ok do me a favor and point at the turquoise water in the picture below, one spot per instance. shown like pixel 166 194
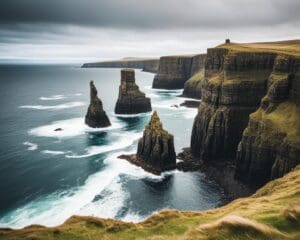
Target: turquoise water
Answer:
pixel 46 176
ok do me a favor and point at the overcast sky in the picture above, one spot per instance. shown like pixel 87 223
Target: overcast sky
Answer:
pixel 92 30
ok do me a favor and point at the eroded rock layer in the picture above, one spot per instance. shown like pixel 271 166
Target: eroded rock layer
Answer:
pixel 233 85
pixel 173 71
pixel 270 145
pixel 156 147
pixel 192 87
pixel 96 116
pixel 131 100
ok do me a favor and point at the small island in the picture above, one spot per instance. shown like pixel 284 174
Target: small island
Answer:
pixel 131 100
pixel 96 116
pixel 156 152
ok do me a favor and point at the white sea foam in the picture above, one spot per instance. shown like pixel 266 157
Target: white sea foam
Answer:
pixel 70 128
pixel 126 139
pixel 54 107
pixel 55 208
pixel 53 97
pixel 31 146
pixel 133 115
pixel 52 152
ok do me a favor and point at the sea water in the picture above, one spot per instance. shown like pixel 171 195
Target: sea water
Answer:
pixel 46 176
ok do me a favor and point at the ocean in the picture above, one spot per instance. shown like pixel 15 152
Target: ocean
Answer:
pixel 46 176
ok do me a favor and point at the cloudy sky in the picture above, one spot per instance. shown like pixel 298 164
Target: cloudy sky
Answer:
pixel 90 30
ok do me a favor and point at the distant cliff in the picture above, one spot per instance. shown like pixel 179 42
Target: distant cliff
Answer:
pixel 192 87
pixel 238 80
pixel 146 64
pixel 174 71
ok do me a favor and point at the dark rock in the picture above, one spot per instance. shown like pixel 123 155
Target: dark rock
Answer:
pixel 190 104
pixel 131 100
pixel 270 145
pixel 192 87
pixel 227 41
pixel 232 88
pixel 173 71
pixel 96 116
pixel 156 152
pixel 58 129
pixel 175 106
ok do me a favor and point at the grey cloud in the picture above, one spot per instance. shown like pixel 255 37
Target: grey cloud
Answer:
pixel 157 14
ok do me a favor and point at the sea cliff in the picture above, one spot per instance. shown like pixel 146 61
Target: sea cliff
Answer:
pixel 146 64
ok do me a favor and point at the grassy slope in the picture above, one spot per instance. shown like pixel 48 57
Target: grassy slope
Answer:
pixel 291 47
pixel 273 212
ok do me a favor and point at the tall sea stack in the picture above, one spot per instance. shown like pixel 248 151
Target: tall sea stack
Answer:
pixel 96 116
pixel 156 147
pixel 156 152
pixel 131 100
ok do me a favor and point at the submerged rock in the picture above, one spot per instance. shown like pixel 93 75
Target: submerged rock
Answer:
pixel 156 152
pixel 58 129
pixel 131 100
pixel 96 116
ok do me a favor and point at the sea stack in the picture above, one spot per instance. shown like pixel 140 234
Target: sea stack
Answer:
pixel 156 152
pixel 96 116
pixel 131 100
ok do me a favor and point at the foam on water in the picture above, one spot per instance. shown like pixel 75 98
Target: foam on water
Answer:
pixel 53 97
pixel 70 128
pixel 55 208
pixel 125 140
pixel 133 115
pixel 54 107
pixel 51 152
pixel 31 146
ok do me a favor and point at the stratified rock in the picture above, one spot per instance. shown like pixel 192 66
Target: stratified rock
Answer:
pixel 233 86
pixel 96 116
pixel 270 146
pixel 156 147
pixel 192 87
pixel 156 152
pixel 131 100
pixel 173 71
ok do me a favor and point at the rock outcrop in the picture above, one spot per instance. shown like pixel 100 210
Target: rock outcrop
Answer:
pixel 156 152
pixel 146 64
pixel 192 87
pixel 270 145
pixel 96 116
pixel 131 100
pixel 173 71
pixel 233 86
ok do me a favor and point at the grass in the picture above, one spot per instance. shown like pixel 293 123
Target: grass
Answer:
pixel 291 47
pixel 285 118
pixel 271 213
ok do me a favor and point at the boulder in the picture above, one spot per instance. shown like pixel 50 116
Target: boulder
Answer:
pixel 131 100
pixel 96 116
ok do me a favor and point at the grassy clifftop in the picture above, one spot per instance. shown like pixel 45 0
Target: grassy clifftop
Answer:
pixel 290 47
pixel 273 212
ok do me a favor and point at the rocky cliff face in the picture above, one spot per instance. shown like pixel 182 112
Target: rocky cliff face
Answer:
pixel 173 71
pixel 270 145
pixel 131 100
pixel 96 116
pixel 234 83
pixel 192 87
pixel 156 147
pixel 147 65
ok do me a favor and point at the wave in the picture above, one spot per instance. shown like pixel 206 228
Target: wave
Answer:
pixel 53 152
pixel 53 97
pixel 126 139
pixel 70 128
pixel 133 115
pixel 54 209
pixel 31 146
pixel 54 107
